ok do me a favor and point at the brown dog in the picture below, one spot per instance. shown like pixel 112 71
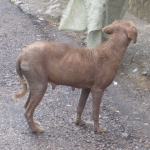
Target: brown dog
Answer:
pixel 62 64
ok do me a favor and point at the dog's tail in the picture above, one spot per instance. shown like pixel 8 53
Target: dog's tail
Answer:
pixel 22 81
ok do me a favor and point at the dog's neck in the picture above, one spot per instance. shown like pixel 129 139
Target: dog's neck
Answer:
pixel 117 43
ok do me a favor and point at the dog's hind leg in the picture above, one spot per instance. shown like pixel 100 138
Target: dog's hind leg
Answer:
pixel 28 100
pixel 81 105
pixel 33 101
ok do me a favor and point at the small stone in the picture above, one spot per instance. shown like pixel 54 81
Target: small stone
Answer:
pixel 68 105
pixel 115 83
pixel 88 141
pixel 144 73
pixel 41 19
pixel 117 111
pixel 18 2
pixel 146 124
pixel 135 70
pixel 125 135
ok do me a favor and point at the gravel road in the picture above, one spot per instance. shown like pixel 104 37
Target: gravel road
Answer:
pixel 124 111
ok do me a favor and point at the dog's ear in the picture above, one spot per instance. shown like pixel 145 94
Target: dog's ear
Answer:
pixel 108 29
pixel 132 34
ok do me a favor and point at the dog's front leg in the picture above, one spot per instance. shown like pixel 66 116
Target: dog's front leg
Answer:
pixel 81 105
pixel 96 101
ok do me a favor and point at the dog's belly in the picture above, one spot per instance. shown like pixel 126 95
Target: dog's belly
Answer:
pixel 73 85
pixel 54 86
pixel 73 81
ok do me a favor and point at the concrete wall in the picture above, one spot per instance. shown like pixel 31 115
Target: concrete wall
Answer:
pixel 140 8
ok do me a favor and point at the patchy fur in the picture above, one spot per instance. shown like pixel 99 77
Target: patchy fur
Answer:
pixel 62 64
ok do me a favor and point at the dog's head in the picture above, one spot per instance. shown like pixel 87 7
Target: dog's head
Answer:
pixel 122 25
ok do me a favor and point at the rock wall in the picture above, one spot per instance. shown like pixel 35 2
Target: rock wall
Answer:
pixel 54 8
pixel 140 8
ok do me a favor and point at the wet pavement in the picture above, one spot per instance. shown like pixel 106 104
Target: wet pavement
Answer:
pixel 124 111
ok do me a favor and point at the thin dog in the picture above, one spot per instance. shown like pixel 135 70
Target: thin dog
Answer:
pixel 92 70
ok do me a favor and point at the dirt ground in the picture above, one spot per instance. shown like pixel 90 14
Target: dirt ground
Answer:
pixel 124 111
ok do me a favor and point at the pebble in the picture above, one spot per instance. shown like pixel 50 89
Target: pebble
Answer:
pixel 135 70
pixel 115 83
pixel 125 135
pixel 68 105
pixel 144 73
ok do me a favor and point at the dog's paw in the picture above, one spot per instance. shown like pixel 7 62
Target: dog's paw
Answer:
pixel 36 128
pixel 100 129
pixel 80 122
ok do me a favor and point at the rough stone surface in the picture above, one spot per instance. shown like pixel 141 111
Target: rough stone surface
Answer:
pixel 51 8
pixel 54 8
pixel 140 8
